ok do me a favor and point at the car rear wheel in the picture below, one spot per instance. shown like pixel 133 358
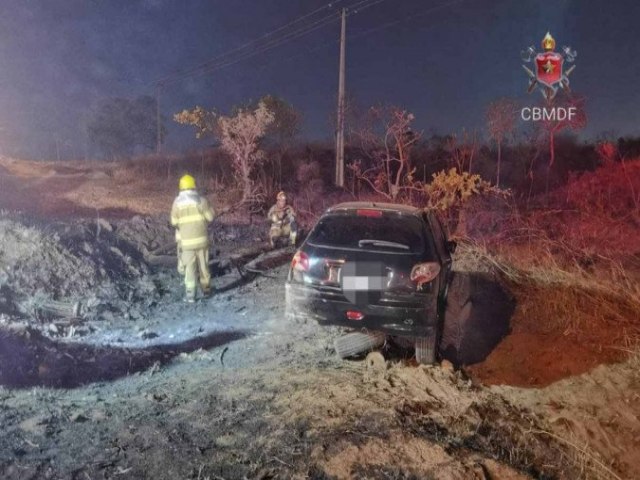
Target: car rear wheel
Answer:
pixel 357 342
pixel 426 350
pixel 456 317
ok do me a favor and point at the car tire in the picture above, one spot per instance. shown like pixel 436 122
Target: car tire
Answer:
pixel 357 342
pixel 426 350
pixel 477 318
pixel 456 316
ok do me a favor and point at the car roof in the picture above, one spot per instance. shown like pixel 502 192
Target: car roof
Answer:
pixel 392 207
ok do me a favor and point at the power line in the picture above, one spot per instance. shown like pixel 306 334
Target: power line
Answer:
pixel 255 40
pixel 352 9
pixel 209 66
pixel 220 62
pixel 269 45
pixel 410 17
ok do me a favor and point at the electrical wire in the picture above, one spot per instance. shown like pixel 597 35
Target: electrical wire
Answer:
pixel 410 17
pixel 271 44
pixel 220 62
pixel 255 40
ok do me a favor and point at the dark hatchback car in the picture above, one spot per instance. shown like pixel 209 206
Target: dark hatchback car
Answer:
pixel 375 266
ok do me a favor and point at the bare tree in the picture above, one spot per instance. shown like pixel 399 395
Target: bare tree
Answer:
pixel 501 120
pixel 240 137
pixel 462 150
pixel 550 128
pixel 386 140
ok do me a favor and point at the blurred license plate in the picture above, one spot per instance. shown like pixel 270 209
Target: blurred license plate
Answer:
pixel 363 282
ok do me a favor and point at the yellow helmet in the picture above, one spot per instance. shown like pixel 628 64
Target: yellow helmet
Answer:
pixel 187 182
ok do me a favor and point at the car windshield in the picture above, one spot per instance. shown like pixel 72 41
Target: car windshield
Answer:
pixel 386 233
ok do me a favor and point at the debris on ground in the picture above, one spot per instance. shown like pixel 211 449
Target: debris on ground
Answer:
pixel 105 373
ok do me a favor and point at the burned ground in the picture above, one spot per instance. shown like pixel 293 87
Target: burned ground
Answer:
pixel 145 386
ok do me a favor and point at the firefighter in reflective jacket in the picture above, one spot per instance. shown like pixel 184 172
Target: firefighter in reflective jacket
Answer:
pixel 283 221
pixel 190 215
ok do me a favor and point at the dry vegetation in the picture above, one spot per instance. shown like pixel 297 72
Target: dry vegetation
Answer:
pixel 581 254
pixel 572 262
pixel 575 271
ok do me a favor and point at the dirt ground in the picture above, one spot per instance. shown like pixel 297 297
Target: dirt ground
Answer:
pixel 145 386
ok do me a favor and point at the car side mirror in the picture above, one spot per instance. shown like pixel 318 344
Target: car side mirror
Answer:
pixel 451 246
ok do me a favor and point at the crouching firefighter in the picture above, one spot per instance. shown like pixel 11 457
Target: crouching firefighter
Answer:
pixel 283 221
pixel 190 215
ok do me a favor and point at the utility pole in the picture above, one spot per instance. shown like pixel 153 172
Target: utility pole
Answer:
pixel 158 133
pixel 340 130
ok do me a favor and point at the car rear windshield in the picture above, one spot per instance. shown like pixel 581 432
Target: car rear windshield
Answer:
pixel 386 233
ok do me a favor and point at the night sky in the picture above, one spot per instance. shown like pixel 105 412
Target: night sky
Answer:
pixel 442 60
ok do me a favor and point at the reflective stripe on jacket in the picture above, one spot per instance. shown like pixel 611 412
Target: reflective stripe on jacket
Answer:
pixel 190 214
pixel 280 217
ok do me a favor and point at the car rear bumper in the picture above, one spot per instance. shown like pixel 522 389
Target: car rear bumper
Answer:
pixel 402 316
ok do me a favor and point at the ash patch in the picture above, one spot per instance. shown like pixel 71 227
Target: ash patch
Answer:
pixel 28 359
pixel 99 264
pixel 81 261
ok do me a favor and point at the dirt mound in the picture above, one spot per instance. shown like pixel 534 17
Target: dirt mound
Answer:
pixel 104 265
pixel 560 330
pixel 420 422
pixel 150 233
pixel 562 323
pixel 76 262
pixel 597 414
pixel 147 234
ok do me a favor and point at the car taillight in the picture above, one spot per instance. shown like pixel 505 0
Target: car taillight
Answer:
pixel 300 262
pixel 369 213
pixel 354 315
pixel 424 272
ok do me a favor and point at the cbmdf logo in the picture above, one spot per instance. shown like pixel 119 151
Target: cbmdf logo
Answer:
pixel 548 72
